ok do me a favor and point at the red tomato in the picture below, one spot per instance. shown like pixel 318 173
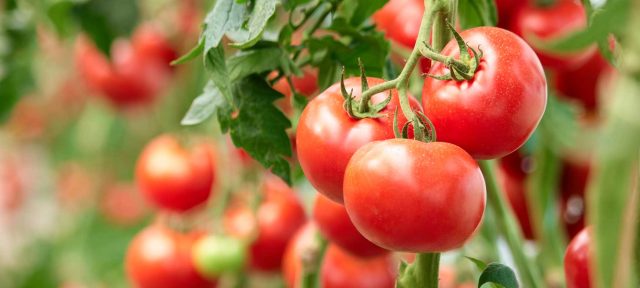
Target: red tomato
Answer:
pixel 173 178
pixel 278 217
pixel 307 85
pixel 552 23
pixel 12 190
pixel 573 185
pixel 506 10
pixel 494 113
pixel 325 129
pixel 513 181
pixel 576 260
pixel 400 21
pixel 334 223
pixel 161 258
pixel 149 43
pixel 339 268
pixel 407 195
pixel 123 205
pixel 581 83
pixel 128 80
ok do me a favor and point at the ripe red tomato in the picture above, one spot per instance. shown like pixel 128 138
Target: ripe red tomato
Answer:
pixel 278 218
pixel 161 258
pixel 400 21
pixel 123 205
pixel 127 80
pixel 506 9
pixel 581 83
pixel 407 195
pixel 307 85
pixel 577 259
pixel 150 44
pixel 512 178
pixel 573 184
pixel 326 129
pixel 334 223
pixel 339 268
pixel 494 113
pixel 552 23
pixel 173 178
pixel 12 190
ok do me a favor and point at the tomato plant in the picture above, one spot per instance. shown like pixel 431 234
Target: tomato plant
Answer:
pixel 398 179
pixel 173 178
pixel 495 112
pixel 513 180
pixel 277 218
pixel 325 128
pixel 160 257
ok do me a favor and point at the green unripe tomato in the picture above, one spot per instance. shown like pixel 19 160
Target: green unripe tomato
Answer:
pixel 215 255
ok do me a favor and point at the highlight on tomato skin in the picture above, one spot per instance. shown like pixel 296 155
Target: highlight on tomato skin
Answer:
pixel 577 260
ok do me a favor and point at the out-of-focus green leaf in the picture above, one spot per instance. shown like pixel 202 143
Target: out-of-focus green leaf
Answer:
pixel 474 13
pixel 259 127
pixel 262 11
pixel 356 12
pixel 498 274
pixel 477 262
pixel 192 54
pixel 106 20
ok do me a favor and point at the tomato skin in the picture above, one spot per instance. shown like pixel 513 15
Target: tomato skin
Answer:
pixel 325 128
pixel 339 268
pixel 307 85
pixel 152 45
pixel 494 113
pixel 123 205
pixel 173 178
pixel 506 10
pixel 577 259
pixel 513 181
pixel 552 23
pixel 278 218
pixel 161 258
pixel 334 223
pixel 399 194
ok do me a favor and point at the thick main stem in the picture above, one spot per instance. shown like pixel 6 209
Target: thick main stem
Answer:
pixel 428 264
pixel 505 219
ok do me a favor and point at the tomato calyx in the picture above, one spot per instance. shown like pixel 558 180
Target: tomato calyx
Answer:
pixel 459 69
pixel 361 109
pixel 425 132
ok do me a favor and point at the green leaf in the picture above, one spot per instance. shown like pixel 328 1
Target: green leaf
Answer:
pixel 479 263
pixel 226 15
pixel 216 65
pixel 261 13
pixel 491 285
pixel 192 54
pixel 292 4
pixel 559 124
pixel 474 13
pixel 498 274
pixel 255 61
pixel 611 18
pixel 259 127
pixel 106 20
pixel 356 12
pixel 204 105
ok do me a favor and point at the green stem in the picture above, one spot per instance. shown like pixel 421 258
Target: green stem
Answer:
pixel 428 264
pixel 529 274
pixel 441 34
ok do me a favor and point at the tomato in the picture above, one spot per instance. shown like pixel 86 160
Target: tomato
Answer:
pixel 400 21
pixel 407 195
pixel 173 178
pixel 149 43
pixel 339 269
pixel 12 190
pixel 495 112
pixel 122 204
pixel 278 217
pixel 581 83
pixel 161 258
pixel 513 179
pixel 577 259
pixel 306 85
pixel 325 129
pixel 551 23
pixel 506 9
pixel 334 223
pixel 127 80
pixel 215 255
pixel 573 184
